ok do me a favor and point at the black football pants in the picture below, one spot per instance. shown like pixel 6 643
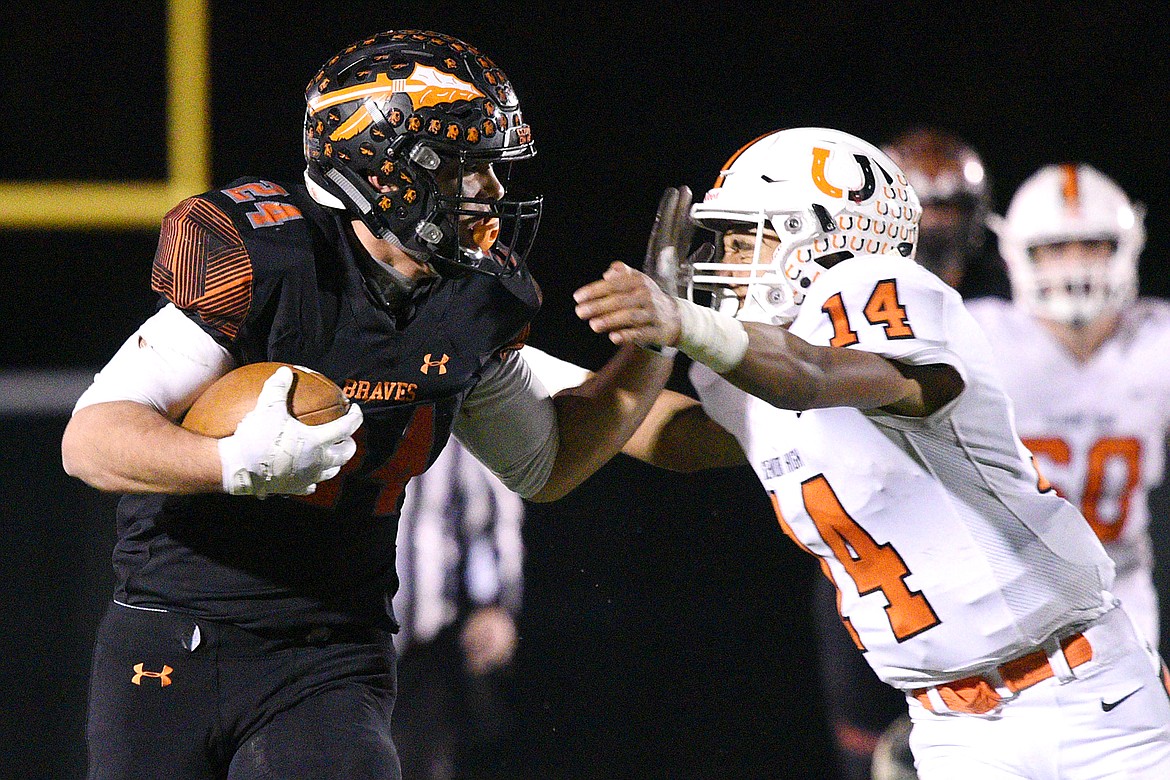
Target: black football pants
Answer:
pixel 177 698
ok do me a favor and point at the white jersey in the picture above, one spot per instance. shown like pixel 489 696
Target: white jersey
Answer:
pixel 1097 428
pixel 947 552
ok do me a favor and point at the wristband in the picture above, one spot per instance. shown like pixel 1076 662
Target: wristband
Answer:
pixel 711 337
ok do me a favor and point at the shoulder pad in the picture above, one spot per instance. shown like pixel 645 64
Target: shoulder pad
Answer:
pixel 202 266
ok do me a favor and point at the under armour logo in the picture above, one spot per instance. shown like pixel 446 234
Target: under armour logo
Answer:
pixel 441 363
pixel 163 676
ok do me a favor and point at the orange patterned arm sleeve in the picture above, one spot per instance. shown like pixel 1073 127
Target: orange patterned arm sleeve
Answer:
pixel 202 265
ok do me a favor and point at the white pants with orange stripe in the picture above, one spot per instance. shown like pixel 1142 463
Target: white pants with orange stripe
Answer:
pixel 1108 718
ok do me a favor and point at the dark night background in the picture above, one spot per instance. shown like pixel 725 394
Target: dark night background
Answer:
pixel 665 631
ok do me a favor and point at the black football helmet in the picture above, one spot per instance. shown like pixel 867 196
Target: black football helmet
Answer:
pixel 399 105
pixel 945 172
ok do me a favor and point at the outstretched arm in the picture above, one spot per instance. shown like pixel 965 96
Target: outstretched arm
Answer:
pixel 542 447
pixel 596 419
pixel 788 372
pixel 768 361
pixel 677 434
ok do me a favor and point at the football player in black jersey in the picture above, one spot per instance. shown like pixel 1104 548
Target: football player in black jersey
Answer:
pixel 249 638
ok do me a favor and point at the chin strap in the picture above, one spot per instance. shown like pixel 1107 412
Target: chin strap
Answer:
pixel 389 286
pixel 329 200
pixel 319 194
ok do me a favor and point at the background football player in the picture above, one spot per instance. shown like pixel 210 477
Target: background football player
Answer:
pixel 864 396
pixel 251 638
pixel 954 189
pixel 1086 362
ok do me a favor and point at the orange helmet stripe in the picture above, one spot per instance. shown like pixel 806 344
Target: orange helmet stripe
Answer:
pixel 727 165
pixel 1071 186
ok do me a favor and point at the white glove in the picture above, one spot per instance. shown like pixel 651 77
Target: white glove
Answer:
pixel 272 452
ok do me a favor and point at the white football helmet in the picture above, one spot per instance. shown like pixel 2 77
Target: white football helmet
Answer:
pixel 828 195
pixel 1071 202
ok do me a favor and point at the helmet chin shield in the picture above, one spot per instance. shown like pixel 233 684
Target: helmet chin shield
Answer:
pixel 827 196
pixel 1070 203
pixel 386 114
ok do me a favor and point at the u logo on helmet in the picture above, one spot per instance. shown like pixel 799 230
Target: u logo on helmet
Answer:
pixel 794 269
pixel 820 158
pixel 868 186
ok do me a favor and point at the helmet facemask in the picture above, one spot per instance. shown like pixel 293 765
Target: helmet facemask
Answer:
pixel 759 290
pixel 1077 292
pixel 478 233
pixel 751 291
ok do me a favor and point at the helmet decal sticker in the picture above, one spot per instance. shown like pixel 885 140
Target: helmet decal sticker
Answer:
pixel 869 185
pixel 426 87
pixel 820 158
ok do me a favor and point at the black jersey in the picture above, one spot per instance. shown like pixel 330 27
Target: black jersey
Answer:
pixel 271 275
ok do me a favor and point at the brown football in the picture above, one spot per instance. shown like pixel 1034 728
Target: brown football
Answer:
pixel 315 399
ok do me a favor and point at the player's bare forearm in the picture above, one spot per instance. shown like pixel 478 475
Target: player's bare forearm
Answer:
pixel 128 447
pixel 788 372
pixel 679 436
pixel 596 419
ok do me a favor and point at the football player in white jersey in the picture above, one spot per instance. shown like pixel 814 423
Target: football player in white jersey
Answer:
pixel 1085 362
pixel 867 401
pixel 954 191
